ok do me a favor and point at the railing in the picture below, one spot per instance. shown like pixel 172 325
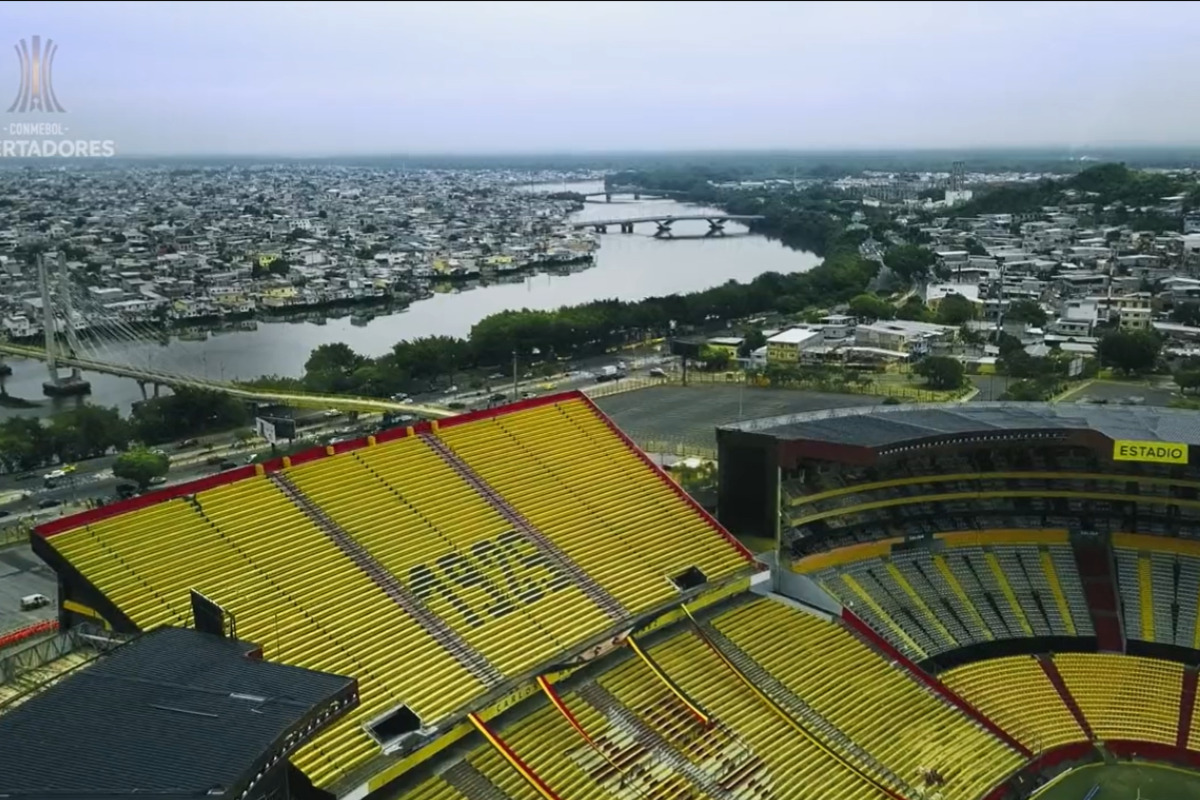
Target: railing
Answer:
pixel 12 535
pixel 15 637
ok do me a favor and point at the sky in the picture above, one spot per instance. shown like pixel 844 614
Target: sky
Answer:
pixel 362 78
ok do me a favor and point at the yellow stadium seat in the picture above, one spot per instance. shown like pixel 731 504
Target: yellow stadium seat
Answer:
pixel 874 703
pixel 565 470
pixel 1016 694
pixel 1125 697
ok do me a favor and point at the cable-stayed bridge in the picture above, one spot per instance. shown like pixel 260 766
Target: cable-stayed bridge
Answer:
pixel 81 334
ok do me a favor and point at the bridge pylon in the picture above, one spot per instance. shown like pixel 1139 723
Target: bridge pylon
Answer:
pixel 73 384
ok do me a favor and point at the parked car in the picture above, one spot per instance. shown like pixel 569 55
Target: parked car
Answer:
pixel 31 601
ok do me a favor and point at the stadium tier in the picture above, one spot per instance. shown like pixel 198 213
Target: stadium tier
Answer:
pixel 642 734
pixel 827 479
pixel 1017 693
pixel 435 565
pixel 972 588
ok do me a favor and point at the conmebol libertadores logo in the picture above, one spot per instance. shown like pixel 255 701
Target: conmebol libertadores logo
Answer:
pixel 36 97
pixel 36 90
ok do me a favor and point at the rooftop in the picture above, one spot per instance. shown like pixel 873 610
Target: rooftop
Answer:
pixel 884 426
pixel 174 713
pixel 794 336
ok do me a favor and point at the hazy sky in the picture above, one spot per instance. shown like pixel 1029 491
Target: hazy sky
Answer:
pixel 374 77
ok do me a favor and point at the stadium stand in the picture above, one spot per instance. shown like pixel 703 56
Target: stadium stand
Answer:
pixel 1125 697
pixel 533 611
pixel 931 601
pixel 438 565
pixel 878 707
pixel 174 713
pixel 1017 694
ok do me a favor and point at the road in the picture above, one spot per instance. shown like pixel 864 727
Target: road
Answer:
pixel 93 478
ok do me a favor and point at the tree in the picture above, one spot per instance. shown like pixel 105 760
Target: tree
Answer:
pixel 909 261
pixel 24 444
pixel 869 306
pixel 141 466
pixel 1186 314
pixel 914 310
pixel 187 412
pixel 752 339
pixel 714 359
pixel 1027 311
pixel 974 248
pixel 954 309
pixel 87 431
pixel 941 372
pixel 1132 352
pixel 1188 379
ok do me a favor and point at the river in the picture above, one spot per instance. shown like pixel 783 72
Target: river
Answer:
pixel 627 267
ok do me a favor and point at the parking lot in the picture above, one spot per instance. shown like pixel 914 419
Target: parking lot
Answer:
pixel 689 415
pixel 22 573
pixel 1113 392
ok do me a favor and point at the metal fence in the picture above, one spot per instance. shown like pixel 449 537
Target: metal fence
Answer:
pixel 17 533
pixel 900 391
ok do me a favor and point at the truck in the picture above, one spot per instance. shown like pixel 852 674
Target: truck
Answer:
pixel 609 374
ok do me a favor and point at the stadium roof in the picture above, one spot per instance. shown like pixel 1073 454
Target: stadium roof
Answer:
pixel 172 714
pixel 884 426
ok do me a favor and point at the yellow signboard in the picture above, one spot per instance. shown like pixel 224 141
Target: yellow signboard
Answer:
pixel 1154 452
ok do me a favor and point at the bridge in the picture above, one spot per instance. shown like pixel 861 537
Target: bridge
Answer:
pixel 80 356
pixel 156 378
pixel 716 222
pixel 638 194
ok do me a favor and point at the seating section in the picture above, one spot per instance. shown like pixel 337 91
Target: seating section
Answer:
pixel 1159 593
pixel 273 550
pixel 565 470
pixel 1125 697
pixel 424 524
pixel 792 765
pixel 291 591
pixel 830 507
pixel 879 707
pixel 928 602
pixel 1015 693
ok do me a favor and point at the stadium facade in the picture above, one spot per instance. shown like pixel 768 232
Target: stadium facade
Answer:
pixel 963 600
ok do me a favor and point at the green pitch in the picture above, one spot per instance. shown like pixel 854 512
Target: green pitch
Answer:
pixel 1124 782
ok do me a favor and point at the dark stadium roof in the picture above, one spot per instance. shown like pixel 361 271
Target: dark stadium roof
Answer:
pixel 174 713
pixel 883 426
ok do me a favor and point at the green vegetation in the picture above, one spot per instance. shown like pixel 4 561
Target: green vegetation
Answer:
pixel 941 372
pixel 91 431
pixel 187 412
pixel 1125 782
pixel 1027 311
pixel 1116 193
pixel 141 466
pixel 871 307
pixel 910 262
pixel 1131 352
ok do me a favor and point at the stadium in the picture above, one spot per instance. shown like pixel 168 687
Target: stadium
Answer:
pixel 981 601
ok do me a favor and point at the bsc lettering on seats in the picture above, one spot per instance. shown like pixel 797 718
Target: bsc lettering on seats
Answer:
pixel 508 570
